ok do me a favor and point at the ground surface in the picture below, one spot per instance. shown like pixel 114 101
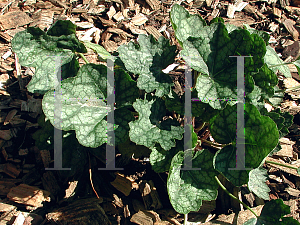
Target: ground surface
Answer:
pixel 32 195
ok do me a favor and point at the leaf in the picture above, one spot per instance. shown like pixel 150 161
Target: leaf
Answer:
pixel 266 80
pixel 199 109
pixel 264 35
pixel 210 53
pixel 125 89
pixel 184 24
pixel 271 59
pixel 131 149
pixel 62 27
pixel 187 188
pixel 257 183
pixel 282 120
pixel 273 213
pixel 160 159
pixel 122 117
pixel 147 59
pixel 83 106
pixel 261 137
pixel 278 96
pixel 99 50
pixel 38 49
pixel 143 132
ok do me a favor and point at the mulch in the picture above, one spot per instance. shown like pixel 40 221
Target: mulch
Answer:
pixel 30 194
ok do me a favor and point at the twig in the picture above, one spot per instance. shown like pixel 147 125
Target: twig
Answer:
pixel 5 7
pixel 232 196
pixel 91 180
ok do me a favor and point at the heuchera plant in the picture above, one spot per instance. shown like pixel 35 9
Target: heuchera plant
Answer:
pixel 207 50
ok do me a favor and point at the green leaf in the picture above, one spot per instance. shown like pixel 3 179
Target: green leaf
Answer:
pixel 83 106
pixel 187 188
pixel 122 117
pixel 273 213
pixel 282 120
pixel 62 27
pixel 264 35
pixel 99 50
pixel 257 183
pixel 184 24
pixel 125 89
pixel 266 79
pixel 210 55
pixel 278 96
pixel 130 149
pixel 199 109
pixel 143 132
pixel 160 159
pixel 37 49
pixel 147 59
pixel 271 59
pixel 261 137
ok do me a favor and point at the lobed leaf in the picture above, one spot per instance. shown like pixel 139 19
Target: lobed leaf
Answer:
pixel 210 55
pixel 147 59
pixel 261 137
pixel 83 105
pixel 50 53
pixel 143 132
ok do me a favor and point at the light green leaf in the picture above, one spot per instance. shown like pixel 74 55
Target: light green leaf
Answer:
pixel 38 49
pixel 257 183
pixel 99 50
pixel 84 108
pixel 261 137
pixel 143 132
pixel 184 24
pixel 210 53
pixel 187 188
pixel 147 59
pixel 271 59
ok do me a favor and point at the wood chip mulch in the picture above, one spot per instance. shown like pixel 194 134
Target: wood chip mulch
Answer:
pixel 29 194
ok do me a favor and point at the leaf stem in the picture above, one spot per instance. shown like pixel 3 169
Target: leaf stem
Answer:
pixel 83 57
pixel 213 144
pixel 200 128
pixel 282 64
pixel 232 196
pixel 185 219
pixel 276 163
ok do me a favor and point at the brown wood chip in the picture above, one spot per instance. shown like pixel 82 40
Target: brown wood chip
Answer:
pixel 289 25
pixel 13 20
pixel 28 195
pixel 152 30
pixel 154 4
pixel 110 46
pixel 122 184
pixel 118 31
